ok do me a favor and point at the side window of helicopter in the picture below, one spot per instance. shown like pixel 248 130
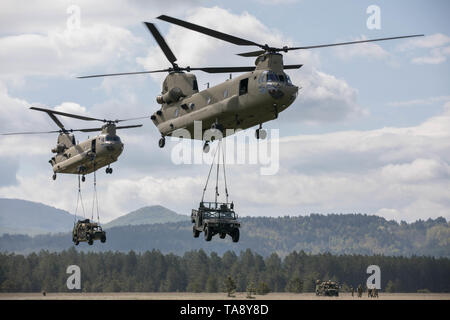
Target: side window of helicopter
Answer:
pixel 177 112
pixel 243 86
pixel 282 78
pixel 225 93
pixel 195 85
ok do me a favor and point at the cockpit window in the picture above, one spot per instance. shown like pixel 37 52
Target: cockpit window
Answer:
pixel 272 77
pixel 282 78
pixel 288 80
pixel 263 77
pixel 112 138
pixel 195 86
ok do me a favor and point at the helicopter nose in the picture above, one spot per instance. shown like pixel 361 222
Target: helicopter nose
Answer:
pixel 276 92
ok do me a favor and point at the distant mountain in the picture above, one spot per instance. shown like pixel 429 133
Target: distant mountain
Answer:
pixel 334 233
pixel 147 215
pixel 26 217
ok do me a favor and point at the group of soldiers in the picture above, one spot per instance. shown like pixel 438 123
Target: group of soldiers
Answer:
pixel 371 292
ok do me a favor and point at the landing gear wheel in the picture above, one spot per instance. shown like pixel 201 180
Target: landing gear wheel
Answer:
pixel 83 178
pixel 162 142
pixel 109 170
pixel 54 176
pixel 260 134
pixel 208 234
pixel 195 232
pixel 103 239
pixel 235 235
pixel 206 147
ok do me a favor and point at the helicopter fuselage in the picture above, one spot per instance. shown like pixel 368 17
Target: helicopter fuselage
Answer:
pixel 87 156
pixel 251 99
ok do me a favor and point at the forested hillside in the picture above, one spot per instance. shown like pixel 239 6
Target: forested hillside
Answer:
pixel 335 233
pixel 197 271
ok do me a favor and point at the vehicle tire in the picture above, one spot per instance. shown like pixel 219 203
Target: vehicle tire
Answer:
pixel 235 235
pixel 223 235
pixel 208 234
pixel 195 232
pixel 103 239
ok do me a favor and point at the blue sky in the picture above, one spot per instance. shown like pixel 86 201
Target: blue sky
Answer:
pixel 370 119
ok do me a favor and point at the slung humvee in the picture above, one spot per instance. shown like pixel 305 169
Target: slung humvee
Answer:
pixel 215 218
pixel 87 231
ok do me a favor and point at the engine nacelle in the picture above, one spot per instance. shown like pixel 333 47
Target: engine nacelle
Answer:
pixel 59 148
pixel 173 95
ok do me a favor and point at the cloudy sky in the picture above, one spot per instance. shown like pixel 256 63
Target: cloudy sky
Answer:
pixel 369 131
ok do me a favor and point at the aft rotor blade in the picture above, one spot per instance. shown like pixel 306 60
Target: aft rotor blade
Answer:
pixel 122 74
pixel 128 127
pixel 65 114
pixel 34 132
pixel 224 69
pixel 87 130
pixel 210 32
pixel 161 42
pixel 350 42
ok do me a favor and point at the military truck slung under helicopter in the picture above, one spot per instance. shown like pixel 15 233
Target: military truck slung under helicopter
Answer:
pixel 213 218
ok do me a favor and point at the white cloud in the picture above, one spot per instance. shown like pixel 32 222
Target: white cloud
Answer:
pixel 40 16
pixel 64 52
pixel 436 45
pixel 416 102
pixel 366 50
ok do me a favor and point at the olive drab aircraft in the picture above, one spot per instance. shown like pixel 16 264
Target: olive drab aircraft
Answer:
pixel 89 155
pixel 251 99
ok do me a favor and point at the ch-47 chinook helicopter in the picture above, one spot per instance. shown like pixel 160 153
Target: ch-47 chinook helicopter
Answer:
pixel 251 99
pixel 89 155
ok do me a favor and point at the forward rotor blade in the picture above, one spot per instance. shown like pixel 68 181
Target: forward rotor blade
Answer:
pixel 161 42
pixel 65 114
pixel 35 132
pixel 350 42
pixel 292 66
pixel 122 74
pixel 210 32
pixel 122 120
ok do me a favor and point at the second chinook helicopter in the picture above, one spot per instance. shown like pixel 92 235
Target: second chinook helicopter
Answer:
pixel 251 99
pixel 89 155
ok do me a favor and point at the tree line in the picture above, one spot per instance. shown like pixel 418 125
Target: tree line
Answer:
pixel 335 233
pixel 197 271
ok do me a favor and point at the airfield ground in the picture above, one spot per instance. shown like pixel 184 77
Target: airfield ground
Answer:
pixel 214 296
